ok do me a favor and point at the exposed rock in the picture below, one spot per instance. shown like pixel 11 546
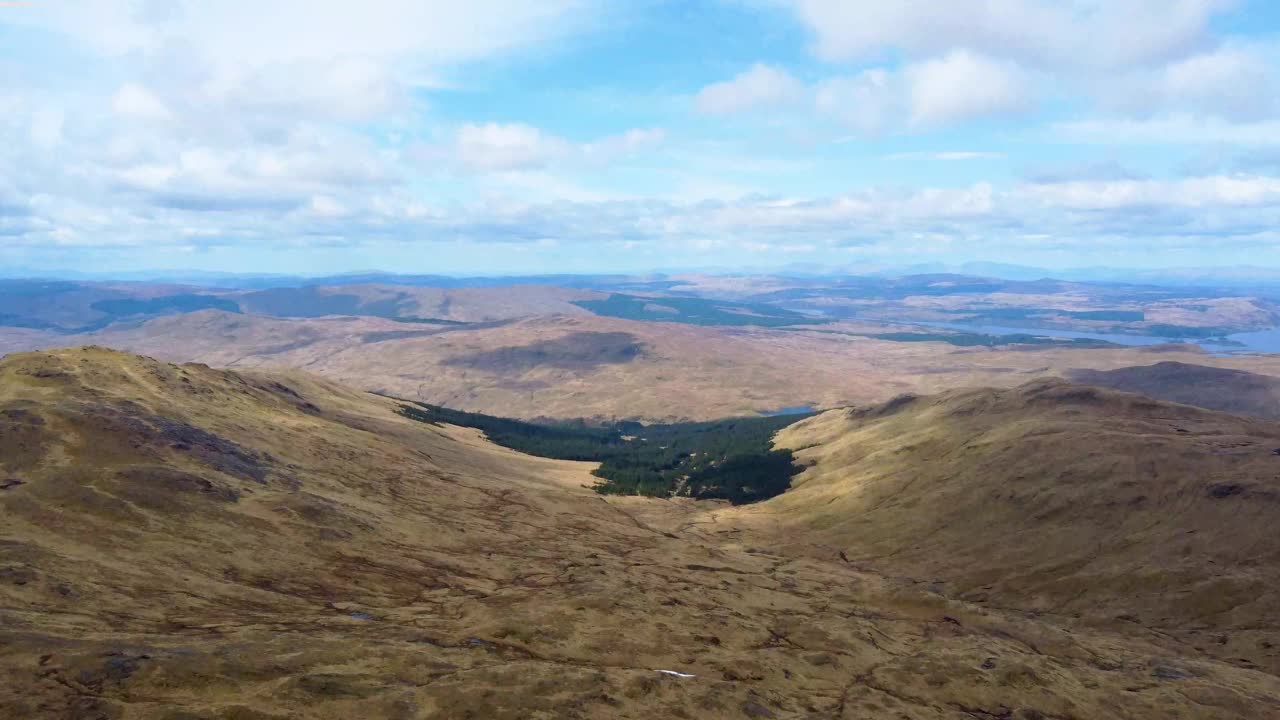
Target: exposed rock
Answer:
pixel 1225 490
pixel 756 710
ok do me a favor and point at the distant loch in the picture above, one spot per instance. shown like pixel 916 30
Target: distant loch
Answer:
pixel 792 410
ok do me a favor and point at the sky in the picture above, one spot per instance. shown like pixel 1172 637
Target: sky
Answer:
pixel 510 136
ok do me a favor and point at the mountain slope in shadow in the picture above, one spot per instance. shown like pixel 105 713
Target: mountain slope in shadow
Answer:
pixel 1234 391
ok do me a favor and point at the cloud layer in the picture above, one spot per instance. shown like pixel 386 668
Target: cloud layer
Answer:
pixel 995 128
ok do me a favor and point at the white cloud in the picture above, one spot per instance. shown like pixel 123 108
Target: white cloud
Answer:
pixel 239 119
pixel 1078 33
pixel 624 144
pixel 869 102
pixel 137 102
pixel 188 127
pixel 1232 82
pixel 1216 191
pixel 934 65
pixel 947 155
pixel 249 33
pixel 46 128
pixel 1168 129
pixel 513 146
pixel 327 207
pixel 197 178
pixel 956 88
pixel 339 89
pixel 962 86
pixel 954 155
pixel 498 147
pixel 1230 210
pixel 760 87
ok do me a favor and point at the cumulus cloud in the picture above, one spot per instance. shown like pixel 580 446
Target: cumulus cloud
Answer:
pixel 513 146
pixel 167 115
pixel 1117 33
pixel 1232 211
pixel 192 129
pixel 498 147
pixel 135 101
pixel 760 87
pixel 945 63
pixel 1169 129
pixel 962 86
pixel 1235 210
pixel 46 128
pixel 958 87
pixel 1236 83
pixel 869 102
pixel 235 34
pixel 1089 170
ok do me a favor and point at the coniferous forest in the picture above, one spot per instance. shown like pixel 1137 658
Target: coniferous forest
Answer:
pixel 730 459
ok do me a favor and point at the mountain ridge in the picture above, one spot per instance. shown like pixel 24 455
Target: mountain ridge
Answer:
pixel 1054 497
pixel 1230 390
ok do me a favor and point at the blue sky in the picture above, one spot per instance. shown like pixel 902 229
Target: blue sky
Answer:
pixel 583 135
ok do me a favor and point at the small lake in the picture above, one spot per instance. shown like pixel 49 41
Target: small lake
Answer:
pixel 793 410
pixel 1261 341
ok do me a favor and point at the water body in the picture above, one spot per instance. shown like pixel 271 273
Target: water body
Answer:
pixel 1264 341
pixel 793 410
pixel 1261 341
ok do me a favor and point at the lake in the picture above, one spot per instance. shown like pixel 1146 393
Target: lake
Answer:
pixel 794 410
pixel 1260 341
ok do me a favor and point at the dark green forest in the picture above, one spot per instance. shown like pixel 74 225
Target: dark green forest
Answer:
pixel 731 459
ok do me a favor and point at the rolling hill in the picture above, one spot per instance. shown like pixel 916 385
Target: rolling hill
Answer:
pixel 1226 389
pixel 183 542
pixel 1057 500
pixel 611 368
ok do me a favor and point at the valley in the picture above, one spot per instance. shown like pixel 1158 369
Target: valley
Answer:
pixel 318 503
pixel 731 459
pixel 591 360
pixel 185 542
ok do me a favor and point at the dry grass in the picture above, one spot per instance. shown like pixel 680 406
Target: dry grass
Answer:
pixel 685 371
pixel 194 543
pixel 1101 507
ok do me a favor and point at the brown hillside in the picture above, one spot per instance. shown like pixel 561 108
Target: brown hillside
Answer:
pixel 551 366
pixel 1056 499
pixel 179 542
pixel 1233 391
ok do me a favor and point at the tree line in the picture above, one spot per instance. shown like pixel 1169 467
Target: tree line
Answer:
pixel 730 459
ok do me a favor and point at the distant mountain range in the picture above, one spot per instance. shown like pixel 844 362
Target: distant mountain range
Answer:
pixel 1257 277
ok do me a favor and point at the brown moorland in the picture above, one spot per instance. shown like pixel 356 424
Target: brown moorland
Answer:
pixel 180 542
pixel 597 367
pixel 1091 506
pixel 1215 388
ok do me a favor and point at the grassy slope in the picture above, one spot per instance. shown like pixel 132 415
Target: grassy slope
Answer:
pixel 1060 499
pixel 191 543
